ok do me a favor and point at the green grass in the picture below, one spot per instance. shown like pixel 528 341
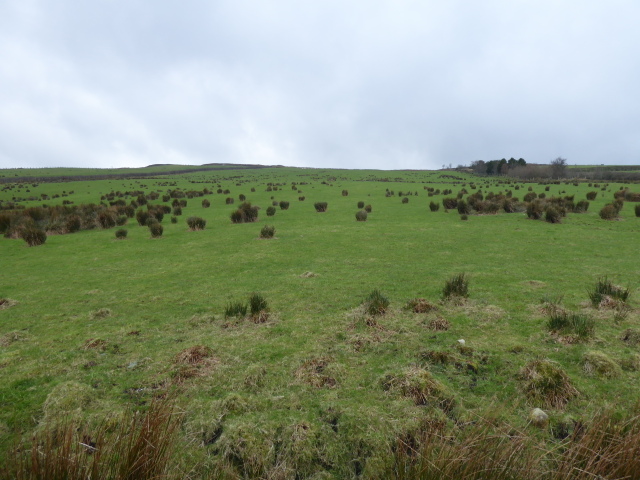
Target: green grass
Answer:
pixel 317 360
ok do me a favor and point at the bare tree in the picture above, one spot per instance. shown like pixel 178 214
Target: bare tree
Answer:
pixel 558 167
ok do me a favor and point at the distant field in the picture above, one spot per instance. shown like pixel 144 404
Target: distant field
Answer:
pixel 93 326
pixel 8 174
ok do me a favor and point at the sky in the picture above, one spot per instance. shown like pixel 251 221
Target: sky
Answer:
pixel 382 84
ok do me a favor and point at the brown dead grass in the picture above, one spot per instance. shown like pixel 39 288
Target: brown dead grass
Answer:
pixel 7 303
pixel 439 324
pixel 314 372
pixel 12 337
pixel 95 344
pixel 196 361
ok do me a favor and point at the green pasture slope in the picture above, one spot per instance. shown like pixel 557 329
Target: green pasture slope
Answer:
pixel 95 325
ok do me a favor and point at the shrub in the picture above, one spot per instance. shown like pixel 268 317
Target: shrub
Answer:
pixel 284 205
pixel 592 195
pixel 142 216
pixel 121 233
pixel 552 215
pixel 534 210
pixel 463 208
pixel 456 286
pixel 367 208
pixel 529 197
pixel 320 206
pixel 196 223
pixel 267 231
pixel 106 219
pixel 174 219
pixel 618 204
pixel 405 200
pixel 257 304
pixel 464 217
pixel 121 220
pixel 271 211
pixel 301 199
pixel 33 235
pixel 361 216
pixel 546 384
pixel 242 197
pixel 235 309
pixel 345 193
pixel 605 293
pixel 229 200
pixel 156 230
pixel 376 303
pixel 637 210
pixel 433 206
pixel 360 205
pixel 450 203
pixel 73 224
pixel 206 203
pixel 246 213
pixel 581 207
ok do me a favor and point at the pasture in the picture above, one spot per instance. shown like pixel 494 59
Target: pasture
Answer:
pixel 93 327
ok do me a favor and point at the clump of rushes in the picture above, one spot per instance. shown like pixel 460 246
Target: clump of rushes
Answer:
pixel 271 211
pixel 121 233
pixel 284 205
pixel 561 321
pixel 33 235
pixel 433 206
pixel 235 309
pixel 361 216
pixel 367 208
pixel 268 231
pixel 360 205
pixel 456 286
pixel 206 203
pixel 605 293
pixel 257 304
pixel 196 223
pixel 376 303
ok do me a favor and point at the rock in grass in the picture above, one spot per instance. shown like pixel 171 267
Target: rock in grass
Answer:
pixel 539 418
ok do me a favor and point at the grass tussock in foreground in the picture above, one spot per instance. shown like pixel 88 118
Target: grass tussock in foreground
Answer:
pixel 138 448
pixel 146 446
pixel 608 447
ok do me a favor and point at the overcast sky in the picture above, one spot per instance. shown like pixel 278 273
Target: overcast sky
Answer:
pixel 353 84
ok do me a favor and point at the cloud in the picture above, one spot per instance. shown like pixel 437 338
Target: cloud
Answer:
pixel 376 84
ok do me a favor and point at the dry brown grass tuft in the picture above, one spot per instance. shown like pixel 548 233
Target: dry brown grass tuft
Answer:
pixel 12 337
pixel 420 386
pixel 196 361
pixel 420 305
pixel 314 372
pixel 545 384
pixel 439 324
pixel 95 344
pixel 7 303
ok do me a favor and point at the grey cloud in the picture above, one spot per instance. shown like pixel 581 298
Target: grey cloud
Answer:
pixel 376 84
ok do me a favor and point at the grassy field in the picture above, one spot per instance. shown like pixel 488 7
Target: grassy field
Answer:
pixel 93 327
